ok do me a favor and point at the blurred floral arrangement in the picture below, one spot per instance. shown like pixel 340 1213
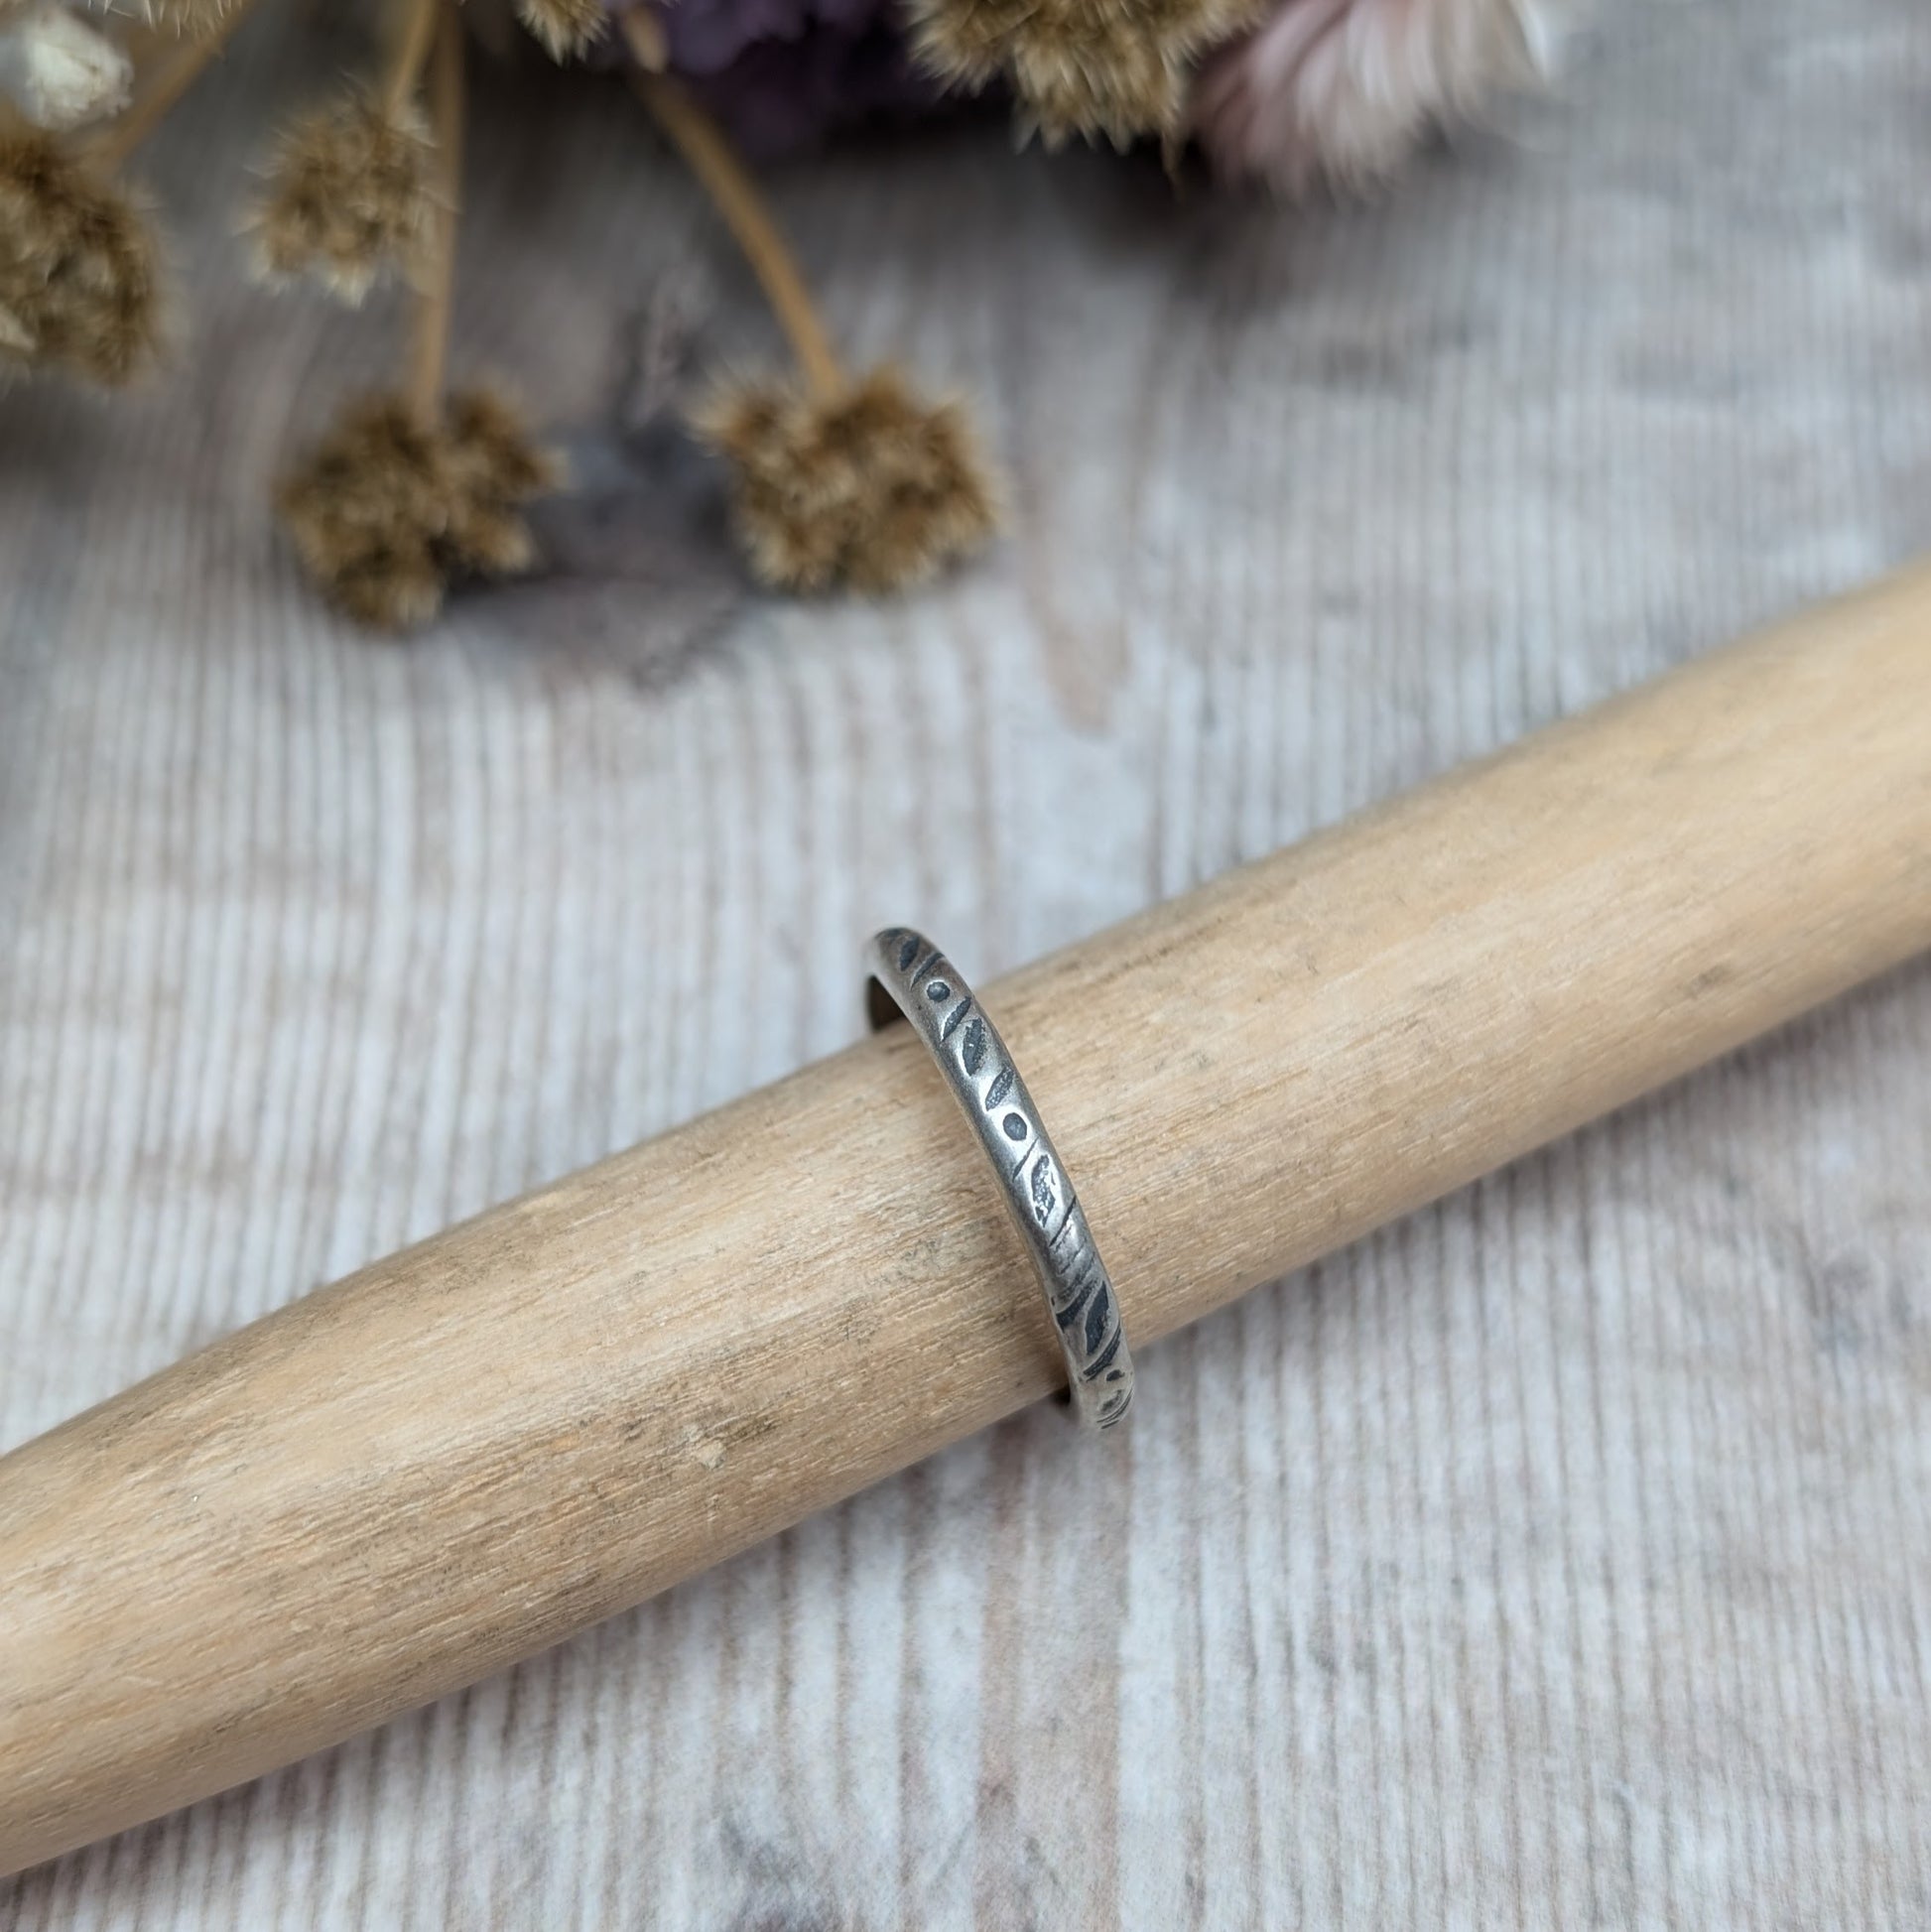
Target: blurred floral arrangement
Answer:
pixel 840 480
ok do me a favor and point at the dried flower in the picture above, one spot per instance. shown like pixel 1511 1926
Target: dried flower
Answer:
pixel 193 19
pixel 1345 89
pixel 497 469
pixel 836 481
pixel 1117 67
pixel 782 74
pixel 79 275
pixel 869 487
pixel 564 27
pixel 395 501
pixel 348 194
pixel 59 70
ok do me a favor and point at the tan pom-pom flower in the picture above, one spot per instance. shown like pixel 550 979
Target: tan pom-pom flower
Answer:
pixel 348 197
pixel 80 272
pixel 868 487
pixel 494 469
pixel 860 483
pixel 1113 68
pixel 395 503
pixel 564 27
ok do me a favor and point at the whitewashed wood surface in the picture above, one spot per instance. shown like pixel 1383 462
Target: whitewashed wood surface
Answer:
pixel 1561 1557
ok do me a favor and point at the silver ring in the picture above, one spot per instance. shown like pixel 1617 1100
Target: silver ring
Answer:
pixel 927 988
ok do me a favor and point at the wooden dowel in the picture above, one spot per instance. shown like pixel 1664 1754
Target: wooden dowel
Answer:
pixel 465 1452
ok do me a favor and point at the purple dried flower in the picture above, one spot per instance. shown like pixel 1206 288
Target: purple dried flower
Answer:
pixel 782 74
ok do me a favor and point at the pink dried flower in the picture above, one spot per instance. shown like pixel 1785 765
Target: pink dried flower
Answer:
pixel 1342 90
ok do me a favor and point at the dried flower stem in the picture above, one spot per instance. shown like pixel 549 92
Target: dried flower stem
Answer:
pixel 650 45
pixel 412 41
pixel 729 184
pixel 172 76
pixel 429 336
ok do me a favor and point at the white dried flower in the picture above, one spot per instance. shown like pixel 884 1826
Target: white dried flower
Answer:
pixel 1342 90
pixel 59 70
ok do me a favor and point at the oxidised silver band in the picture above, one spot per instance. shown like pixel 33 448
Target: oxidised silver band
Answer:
pixel 928 990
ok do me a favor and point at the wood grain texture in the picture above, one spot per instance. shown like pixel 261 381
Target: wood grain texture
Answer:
pixel 491 1441
pixel 1559 1554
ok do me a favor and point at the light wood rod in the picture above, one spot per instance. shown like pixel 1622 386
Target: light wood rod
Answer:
pixel 462 1453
